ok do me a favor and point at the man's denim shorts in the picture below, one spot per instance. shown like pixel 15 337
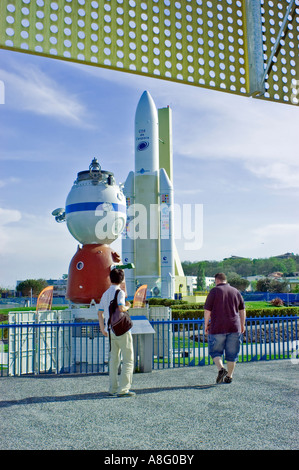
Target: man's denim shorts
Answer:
pixel 229 343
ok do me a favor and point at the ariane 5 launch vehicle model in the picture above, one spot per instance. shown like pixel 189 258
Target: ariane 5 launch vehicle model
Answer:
pixel 95 215
pixel 148 238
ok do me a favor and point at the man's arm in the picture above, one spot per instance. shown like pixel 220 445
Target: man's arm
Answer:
pixel 208 307
pixel 207 315
pixel 101 322
pixel 123 304
pixel 242 319
pixel 124 308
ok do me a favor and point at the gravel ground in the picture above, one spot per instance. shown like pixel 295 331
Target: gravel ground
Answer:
pixel 174 409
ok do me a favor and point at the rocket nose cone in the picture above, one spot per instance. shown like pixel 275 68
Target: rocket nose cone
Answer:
pixel 147 97
pixel 146 104
pixel 147 94
pixel 146 135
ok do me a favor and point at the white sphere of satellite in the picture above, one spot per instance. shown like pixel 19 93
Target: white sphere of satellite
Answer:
pixel 95 209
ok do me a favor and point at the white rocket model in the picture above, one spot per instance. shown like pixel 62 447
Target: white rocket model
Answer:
pixel 148 237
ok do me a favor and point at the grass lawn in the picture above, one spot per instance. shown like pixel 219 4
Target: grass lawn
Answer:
pixel 257 304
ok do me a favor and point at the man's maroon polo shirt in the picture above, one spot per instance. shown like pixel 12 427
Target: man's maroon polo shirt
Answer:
pixel 224 303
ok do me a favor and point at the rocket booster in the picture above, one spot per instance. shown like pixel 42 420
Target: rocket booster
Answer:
pixel 166 236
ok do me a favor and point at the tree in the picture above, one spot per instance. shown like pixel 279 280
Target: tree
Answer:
pixel 295 289
pixel 277 265
pixel 272 285
pixel 290 266
pixel 238 282
pixel 201 279
pixel 3 290
pixel 244 266
pixel 263 285
pixel 37 285
pixel 279 286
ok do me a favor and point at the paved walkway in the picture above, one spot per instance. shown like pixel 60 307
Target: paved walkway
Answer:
pixel 175 409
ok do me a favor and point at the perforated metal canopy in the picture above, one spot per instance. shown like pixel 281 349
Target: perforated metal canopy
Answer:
pixel 248 47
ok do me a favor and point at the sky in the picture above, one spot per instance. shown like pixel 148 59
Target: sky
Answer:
pixel 235 162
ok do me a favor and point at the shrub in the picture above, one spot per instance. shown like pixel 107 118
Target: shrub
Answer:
pixel 166 302
pixel 189 314
pixel 277 302
pixel 188 307
pixel 182 310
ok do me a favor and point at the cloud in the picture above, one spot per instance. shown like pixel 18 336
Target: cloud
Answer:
pixel 33 247
pixel 256 134
pixel 213 125
pixel 7 216
pixel 9 181
pixel 283 176
pixel 276 239
pixel 30 89
pixel 273 230
pixel 260 242
pixel 191 192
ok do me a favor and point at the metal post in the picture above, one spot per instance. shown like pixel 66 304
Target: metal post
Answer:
pixel 255 47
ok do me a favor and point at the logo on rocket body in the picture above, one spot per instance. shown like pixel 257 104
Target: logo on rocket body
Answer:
pixel 142 146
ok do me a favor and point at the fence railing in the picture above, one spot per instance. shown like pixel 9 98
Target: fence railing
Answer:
pixel 67 347
pixel 51 347
pixel 180 343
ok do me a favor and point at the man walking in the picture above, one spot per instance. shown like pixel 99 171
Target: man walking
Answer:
pixel 119 344
pixel 224 313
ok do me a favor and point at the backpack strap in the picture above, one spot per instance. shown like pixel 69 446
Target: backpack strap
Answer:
pixel 109 322
pixel 114 300
pixel 116 294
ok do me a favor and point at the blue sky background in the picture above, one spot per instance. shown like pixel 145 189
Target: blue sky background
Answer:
pixel 236 156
